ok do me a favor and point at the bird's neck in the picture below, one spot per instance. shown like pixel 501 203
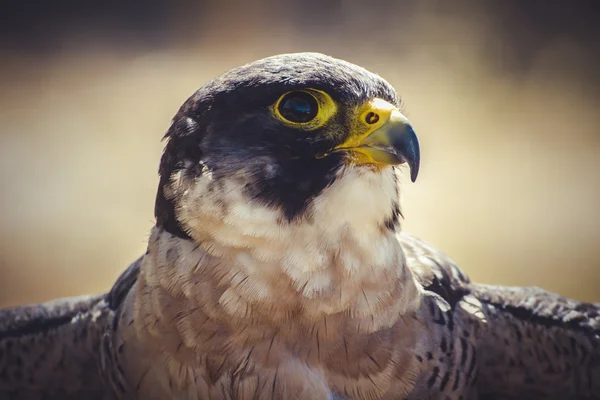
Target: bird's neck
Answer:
pixel 251 290
pixel 227 306
pixel 305 278
pixel 343 258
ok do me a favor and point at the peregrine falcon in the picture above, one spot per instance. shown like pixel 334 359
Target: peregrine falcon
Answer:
pixel 277 270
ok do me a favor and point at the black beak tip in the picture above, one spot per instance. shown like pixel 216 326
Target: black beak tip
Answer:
pixel 414 171
pixel 412 154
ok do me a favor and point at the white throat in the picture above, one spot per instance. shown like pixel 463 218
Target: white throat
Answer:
pixel 339 259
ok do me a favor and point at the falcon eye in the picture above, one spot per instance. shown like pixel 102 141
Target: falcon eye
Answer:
pixel 306 109
pixel 298 107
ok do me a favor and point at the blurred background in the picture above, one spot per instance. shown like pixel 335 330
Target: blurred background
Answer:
pixel 504 95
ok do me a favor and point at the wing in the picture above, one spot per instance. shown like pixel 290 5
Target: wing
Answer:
pixel 538 344
pixel 123 284
pixel 53 350
pixel 530 344
pixel 447 352
pixel 434 270
pixel 49 350
pixel 109 351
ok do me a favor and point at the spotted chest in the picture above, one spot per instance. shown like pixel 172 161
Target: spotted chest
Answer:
pixel 430 354
pixel 170 344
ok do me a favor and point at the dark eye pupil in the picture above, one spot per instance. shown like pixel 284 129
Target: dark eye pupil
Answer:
pixel 298 107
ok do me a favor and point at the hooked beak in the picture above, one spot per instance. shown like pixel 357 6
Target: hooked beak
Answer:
pixel 388 139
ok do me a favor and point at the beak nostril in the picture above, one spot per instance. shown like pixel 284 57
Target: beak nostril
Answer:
pixel 372 118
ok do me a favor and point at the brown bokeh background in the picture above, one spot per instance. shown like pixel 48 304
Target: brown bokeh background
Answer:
pixel 504 96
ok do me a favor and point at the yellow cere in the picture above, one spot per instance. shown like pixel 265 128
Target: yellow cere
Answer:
pixel 368 118
pixel 327 109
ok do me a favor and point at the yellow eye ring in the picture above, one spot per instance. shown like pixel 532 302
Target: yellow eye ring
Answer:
pixel 305 109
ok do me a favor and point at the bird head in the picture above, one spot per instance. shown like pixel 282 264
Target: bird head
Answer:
pixel 285 135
